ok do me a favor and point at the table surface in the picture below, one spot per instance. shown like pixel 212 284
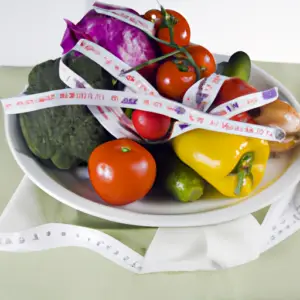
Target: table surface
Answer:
pixel 74 273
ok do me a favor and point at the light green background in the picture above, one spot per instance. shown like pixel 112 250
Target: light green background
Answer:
pixel 73 273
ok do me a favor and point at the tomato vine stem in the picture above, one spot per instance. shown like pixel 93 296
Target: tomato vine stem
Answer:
pixel 171 44
pixel 149 62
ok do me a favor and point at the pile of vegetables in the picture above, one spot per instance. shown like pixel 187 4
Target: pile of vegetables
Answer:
pixel 123 171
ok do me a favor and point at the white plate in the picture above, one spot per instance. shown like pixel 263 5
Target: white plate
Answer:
pixel 282 174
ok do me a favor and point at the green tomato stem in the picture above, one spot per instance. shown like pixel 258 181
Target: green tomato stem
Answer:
pixel 192 62
pixel 182 50
pixel 163 42
pixel 171 31
pixel 149 62
pixel 171 44
pixel 169 24
pixel 125 149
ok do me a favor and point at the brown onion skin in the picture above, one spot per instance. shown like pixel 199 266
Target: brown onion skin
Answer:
pixel 281 114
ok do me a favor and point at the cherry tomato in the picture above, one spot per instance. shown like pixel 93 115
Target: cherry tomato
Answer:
pixel 149 125
pixel 173 83
pixel 203 58
pixel 154 16
pixel 181 30
pixel 121 171
pixel 231 89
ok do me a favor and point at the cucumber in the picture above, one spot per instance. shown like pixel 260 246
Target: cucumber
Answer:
pixel 182 182
pixel 221 67
pixel 239 65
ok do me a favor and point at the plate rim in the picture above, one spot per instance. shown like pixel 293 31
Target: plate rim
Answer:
pixel 116 214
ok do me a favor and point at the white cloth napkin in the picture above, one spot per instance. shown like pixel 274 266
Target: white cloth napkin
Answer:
pixel 204 248
pixel 25 227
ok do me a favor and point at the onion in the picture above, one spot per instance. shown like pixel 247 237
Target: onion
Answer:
pixel 288 144
pixel 280 114
pixel 283 115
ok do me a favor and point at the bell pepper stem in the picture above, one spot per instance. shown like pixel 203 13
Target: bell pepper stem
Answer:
pixel 241 175
pixel 243 170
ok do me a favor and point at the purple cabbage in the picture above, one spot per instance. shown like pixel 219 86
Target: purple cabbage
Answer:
pixel 113 6
pixel 127 42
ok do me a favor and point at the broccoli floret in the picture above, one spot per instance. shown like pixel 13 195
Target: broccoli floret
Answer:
pixel 66 135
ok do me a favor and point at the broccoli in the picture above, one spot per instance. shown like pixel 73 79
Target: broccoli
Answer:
pixel 65 135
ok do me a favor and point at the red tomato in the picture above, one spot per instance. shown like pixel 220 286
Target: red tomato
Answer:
pixel 231 89
pixel 121 171
pixel 203 58
pixel 173 83
pixel 149 125
pixel 154 16
pixel 243 117
pixel 149 72
pixel 182 32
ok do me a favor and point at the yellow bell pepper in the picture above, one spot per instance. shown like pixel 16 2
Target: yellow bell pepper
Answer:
pixel 234 165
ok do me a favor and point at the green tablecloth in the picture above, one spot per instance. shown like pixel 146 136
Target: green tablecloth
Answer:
pixel 73 273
